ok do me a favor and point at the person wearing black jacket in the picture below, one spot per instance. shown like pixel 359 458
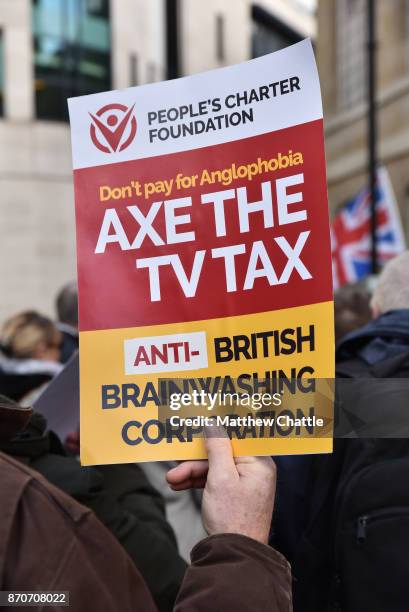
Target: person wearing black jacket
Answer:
pixel 353 536
pixel 381 348
pixel 121 497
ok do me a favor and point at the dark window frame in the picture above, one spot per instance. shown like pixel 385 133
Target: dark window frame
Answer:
pixel 220 38
pixel 134 69
pixel 68 80
pixel 263 17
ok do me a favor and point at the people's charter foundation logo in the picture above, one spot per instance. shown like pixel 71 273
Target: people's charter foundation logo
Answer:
pixel 113 127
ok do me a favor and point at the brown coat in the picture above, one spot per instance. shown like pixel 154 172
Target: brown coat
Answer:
pixel 48 541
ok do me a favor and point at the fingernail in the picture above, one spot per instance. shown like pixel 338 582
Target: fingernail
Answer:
pixel 214 431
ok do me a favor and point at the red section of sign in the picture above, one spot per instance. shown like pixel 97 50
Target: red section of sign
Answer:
pixel 115 294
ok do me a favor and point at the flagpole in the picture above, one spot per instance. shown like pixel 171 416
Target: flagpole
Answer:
pixel 372 127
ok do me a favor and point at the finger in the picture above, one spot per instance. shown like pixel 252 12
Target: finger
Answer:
pixel 198 483
pixel 245 460
pixel 219 451
pixel 264 464
pixel 187 471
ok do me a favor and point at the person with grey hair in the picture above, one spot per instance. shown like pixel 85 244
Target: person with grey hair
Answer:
pixel 372 347
pixel 392 289
pixel 353 535
pixel 66 305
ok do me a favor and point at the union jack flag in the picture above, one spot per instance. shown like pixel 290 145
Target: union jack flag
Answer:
pixel 351 233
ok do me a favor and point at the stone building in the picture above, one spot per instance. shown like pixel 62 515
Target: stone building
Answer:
pixel 54 49
pixel 342 55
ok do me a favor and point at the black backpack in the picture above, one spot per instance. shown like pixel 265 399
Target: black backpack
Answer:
pixel 354 551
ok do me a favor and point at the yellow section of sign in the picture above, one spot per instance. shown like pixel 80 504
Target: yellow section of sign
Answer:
pixel 102 365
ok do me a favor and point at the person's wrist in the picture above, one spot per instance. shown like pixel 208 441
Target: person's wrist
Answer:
pixel 257 534
pixel 239 541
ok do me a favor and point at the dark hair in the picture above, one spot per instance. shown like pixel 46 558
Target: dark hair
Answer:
pixel 67 305
pixel 352 309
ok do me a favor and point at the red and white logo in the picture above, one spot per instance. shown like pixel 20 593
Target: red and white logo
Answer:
pixel 113 128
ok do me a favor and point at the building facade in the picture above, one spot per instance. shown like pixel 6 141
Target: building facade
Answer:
pixel 54 49
pixel 342 55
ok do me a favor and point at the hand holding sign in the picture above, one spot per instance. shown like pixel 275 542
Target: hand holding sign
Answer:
pixel 238 493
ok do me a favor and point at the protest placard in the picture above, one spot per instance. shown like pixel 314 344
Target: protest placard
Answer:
pixel 204 259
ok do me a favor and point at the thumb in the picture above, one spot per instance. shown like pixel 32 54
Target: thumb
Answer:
pixel 219 450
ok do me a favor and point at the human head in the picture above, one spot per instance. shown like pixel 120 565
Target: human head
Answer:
pixel 30 335
pixel 352 308
pixel 392 289
pixel 67 305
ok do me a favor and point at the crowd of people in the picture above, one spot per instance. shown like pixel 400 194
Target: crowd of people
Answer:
pixel 309 533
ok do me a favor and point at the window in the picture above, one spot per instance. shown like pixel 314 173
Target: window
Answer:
pixel 351 51
pixel 71 52
pixel 220 39
pixel 134 80
pixel 150 72
pixel 269 34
